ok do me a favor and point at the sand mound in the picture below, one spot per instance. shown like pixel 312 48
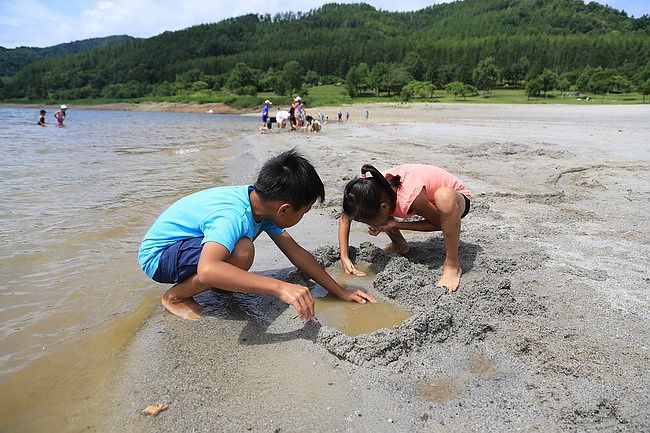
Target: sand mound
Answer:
pixel 465 316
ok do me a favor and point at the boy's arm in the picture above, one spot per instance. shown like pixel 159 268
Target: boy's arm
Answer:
pixel 214 271
pixel 308 264
pixel 344 242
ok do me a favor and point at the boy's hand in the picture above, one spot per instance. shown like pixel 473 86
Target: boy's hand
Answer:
pixel 300 298
pixel 349 268
pixel 356 296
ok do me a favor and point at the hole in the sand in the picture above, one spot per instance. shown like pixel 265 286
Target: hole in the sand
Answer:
pixel 352 318
pixel 440 390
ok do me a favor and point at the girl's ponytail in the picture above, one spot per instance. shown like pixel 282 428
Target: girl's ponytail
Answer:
pixel 381 180
pixel 363 195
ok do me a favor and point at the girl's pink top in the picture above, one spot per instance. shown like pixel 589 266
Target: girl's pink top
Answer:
pixel 414 177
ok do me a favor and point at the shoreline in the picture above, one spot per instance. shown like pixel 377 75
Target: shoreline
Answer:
pixel 406 111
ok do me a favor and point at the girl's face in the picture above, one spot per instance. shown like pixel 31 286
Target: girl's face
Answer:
pixel 382 217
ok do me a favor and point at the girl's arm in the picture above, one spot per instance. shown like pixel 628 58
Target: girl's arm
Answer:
pixel 308 264
pixel 417 226
pixel 344 242
pixel 423 207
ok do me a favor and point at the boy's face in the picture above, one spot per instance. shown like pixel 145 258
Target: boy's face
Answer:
pixel 288 216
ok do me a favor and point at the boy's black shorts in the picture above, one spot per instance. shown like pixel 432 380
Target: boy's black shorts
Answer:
pixel 179 261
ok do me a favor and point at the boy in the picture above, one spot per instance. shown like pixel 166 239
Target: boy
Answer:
pixel 41 118
pixel 205 240
pixel 265 116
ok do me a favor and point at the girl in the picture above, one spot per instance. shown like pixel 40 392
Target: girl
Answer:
pixel 409 189
pixel 59 115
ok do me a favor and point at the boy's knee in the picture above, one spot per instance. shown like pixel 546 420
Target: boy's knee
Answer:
pixel 243 254
pixel 447 200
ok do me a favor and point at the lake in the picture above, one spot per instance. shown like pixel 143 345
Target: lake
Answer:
pixel 75 202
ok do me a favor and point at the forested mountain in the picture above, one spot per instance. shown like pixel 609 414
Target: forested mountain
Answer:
pixel 13 59
pixel 443 43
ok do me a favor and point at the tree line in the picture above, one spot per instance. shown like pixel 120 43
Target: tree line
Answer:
pixel 12 60
pixel 369 51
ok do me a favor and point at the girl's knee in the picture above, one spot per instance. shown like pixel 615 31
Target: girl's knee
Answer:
pixel 243 254
pixel 448 200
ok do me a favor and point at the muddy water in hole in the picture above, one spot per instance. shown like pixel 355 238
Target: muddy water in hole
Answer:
pixel 353 318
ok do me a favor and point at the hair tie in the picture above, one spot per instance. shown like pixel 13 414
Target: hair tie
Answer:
pixel 388 176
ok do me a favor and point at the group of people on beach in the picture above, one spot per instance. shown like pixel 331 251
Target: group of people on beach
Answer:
pixel 205 240
pixel 297 118
pixel 59 115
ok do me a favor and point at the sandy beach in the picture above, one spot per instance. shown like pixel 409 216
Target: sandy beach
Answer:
pixel 547 332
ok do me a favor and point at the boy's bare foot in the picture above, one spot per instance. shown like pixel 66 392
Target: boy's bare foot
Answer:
pixel 398 248
pixel 186 308
pixel 450 277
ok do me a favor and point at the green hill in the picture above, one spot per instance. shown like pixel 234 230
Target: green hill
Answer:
pixel 445 41
pixel 13 59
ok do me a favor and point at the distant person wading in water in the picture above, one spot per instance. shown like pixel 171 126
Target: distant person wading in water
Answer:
pixel 60 115
pixel 41 118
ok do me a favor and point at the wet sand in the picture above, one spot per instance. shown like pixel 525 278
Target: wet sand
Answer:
pixel 548 330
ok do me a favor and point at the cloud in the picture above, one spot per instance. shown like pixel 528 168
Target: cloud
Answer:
pixel 21 25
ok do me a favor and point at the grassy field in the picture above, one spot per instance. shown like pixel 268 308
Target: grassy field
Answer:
pixel 336 95
pixel 497 96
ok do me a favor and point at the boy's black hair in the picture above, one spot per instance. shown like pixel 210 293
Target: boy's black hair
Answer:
pixel 290 177
pixel 43 111
pixel 363 195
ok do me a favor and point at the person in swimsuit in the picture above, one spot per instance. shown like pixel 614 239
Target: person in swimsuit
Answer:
pixel 41 118
pixel 60 115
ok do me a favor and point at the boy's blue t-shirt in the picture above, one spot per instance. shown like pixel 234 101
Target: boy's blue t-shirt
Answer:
pixel 221 215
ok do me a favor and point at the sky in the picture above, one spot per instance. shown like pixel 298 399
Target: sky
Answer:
pixel 43 23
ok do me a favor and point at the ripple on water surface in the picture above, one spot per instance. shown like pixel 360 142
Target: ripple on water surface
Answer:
pixel 75 203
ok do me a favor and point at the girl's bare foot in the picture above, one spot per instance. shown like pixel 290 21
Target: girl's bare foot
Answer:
pixel 398 248
pixel 450 277
pixel 186 308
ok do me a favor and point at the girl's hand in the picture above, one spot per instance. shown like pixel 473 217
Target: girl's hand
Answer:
pixel 388 226
pixel 349 268
pixel 357 296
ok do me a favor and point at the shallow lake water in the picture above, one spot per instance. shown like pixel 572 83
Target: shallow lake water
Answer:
pixel 75 202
